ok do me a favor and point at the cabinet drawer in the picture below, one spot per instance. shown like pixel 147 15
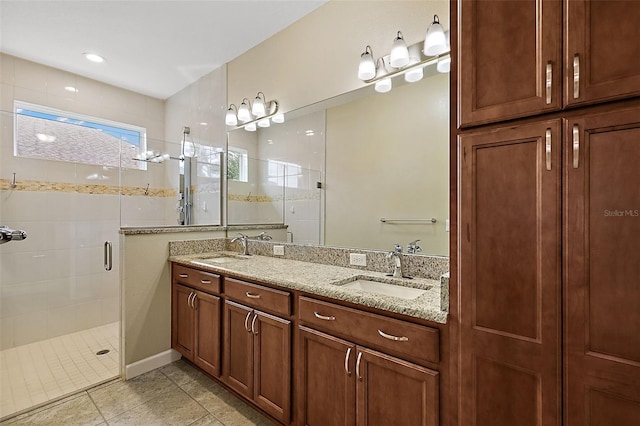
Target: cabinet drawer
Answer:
pixel 205 281
pixel 390 335
pixel 258 296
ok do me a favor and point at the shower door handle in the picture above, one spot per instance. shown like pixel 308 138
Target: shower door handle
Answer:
pixel 108 256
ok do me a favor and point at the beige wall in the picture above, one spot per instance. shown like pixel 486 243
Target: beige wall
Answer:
pixel 317 57
pixel 146 289
pixel 388 156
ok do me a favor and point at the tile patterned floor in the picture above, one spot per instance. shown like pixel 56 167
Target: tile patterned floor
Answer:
pixel 176 394
pixel 31 375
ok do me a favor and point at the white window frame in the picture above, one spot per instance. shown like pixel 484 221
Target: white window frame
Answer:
pixel 19 105
pixel 243 163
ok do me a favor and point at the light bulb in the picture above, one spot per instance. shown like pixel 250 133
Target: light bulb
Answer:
pixel 264 123
pixel 383 86
pixel 250 127
pixel 367 67
pixel 231 119
pixel 414 75
pixel 399 53
pixel 278 118
pixel 444 64
pixel 244 114
pixel 435 42
pixel 258 108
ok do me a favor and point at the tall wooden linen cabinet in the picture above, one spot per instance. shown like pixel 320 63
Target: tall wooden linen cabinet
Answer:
pixel 548 153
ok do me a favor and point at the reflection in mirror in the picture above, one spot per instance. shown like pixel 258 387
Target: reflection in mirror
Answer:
pixel 376 156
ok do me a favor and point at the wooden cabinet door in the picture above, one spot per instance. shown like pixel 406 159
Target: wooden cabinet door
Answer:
pixel 391 391
pixel 238 360
pixel 272 365
pixel 510 59
pixel 602 269
pixel 326 383
pixel 510 276
pixel 182 321
pixel 207 326
pixel 601 50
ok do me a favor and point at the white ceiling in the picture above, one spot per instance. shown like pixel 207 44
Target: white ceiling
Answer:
pixel 153 47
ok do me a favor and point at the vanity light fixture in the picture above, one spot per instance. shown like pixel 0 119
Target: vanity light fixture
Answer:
pixel 250 116
pixel 435 42
pixel 407 60
pixel 399 52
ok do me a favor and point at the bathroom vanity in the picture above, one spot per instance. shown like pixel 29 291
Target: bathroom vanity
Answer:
pixel 303 346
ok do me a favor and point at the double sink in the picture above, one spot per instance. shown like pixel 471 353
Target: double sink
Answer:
pixel 399 288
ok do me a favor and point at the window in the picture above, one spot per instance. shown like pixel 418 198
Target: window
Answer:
pixel 51 134
pixel 284 174
pixel 238 165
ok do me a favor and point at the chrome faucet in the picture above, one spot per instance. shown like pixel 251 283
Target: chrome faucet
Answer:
pixel 244 240
pixel 413 247
pixel 7 234
pixel 398 265
pixel 263 236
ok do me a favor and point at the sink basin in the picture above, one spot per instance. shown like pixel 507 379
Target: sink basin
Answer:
pixel 385 287
pixel 221 259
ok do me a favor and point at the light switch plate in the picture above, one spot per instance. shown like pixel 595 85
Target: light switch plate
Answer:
pixel 358 259
pixel 278 250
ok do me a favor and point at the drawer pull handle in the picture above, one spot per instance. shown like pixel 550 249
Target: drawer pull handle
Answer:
pixel 253 324
pixel 576 76
pixel 322 317
pixel 358 366
pixel 252 296
pixel 576 146
pixel 547 149
pixel 246 321
pixel 549 81
pixel 205 281
pixel 346 362
pixel 184 275
pixel 394 338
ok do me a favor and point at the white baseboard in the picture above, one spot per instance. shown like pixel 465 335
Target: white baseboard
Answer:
pixel 151 363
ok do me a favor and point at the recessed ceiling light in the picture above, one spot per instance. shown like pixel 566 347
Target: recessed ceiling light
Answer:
pixel 204 123
pixel 94 57
pixel 71 89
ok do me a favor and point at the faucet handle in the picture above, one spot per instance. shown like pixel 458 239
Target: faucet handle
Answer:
pixel 413 247
pixel 397 248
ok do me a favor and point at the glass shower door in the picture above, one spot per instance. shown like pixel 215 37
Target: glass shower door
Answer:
pixel 59 305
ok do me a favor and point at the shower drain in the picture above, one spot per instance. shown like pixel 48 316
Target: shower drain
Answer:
pixel 102 352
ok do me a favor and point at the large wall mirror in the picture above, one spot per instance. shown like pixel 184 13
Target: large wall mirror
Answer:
pixel 364 169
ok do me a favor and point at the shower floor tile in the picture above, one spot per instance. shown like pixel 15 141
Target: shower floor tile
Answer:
pixel 34 374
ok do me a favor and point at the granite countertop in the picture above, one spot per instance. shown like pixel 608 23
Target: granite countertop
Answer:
pixel 324 280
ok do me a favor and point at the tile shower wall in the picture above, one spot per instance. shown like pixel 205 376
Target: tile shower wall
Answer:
pixel 201 107
pixel 54 282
